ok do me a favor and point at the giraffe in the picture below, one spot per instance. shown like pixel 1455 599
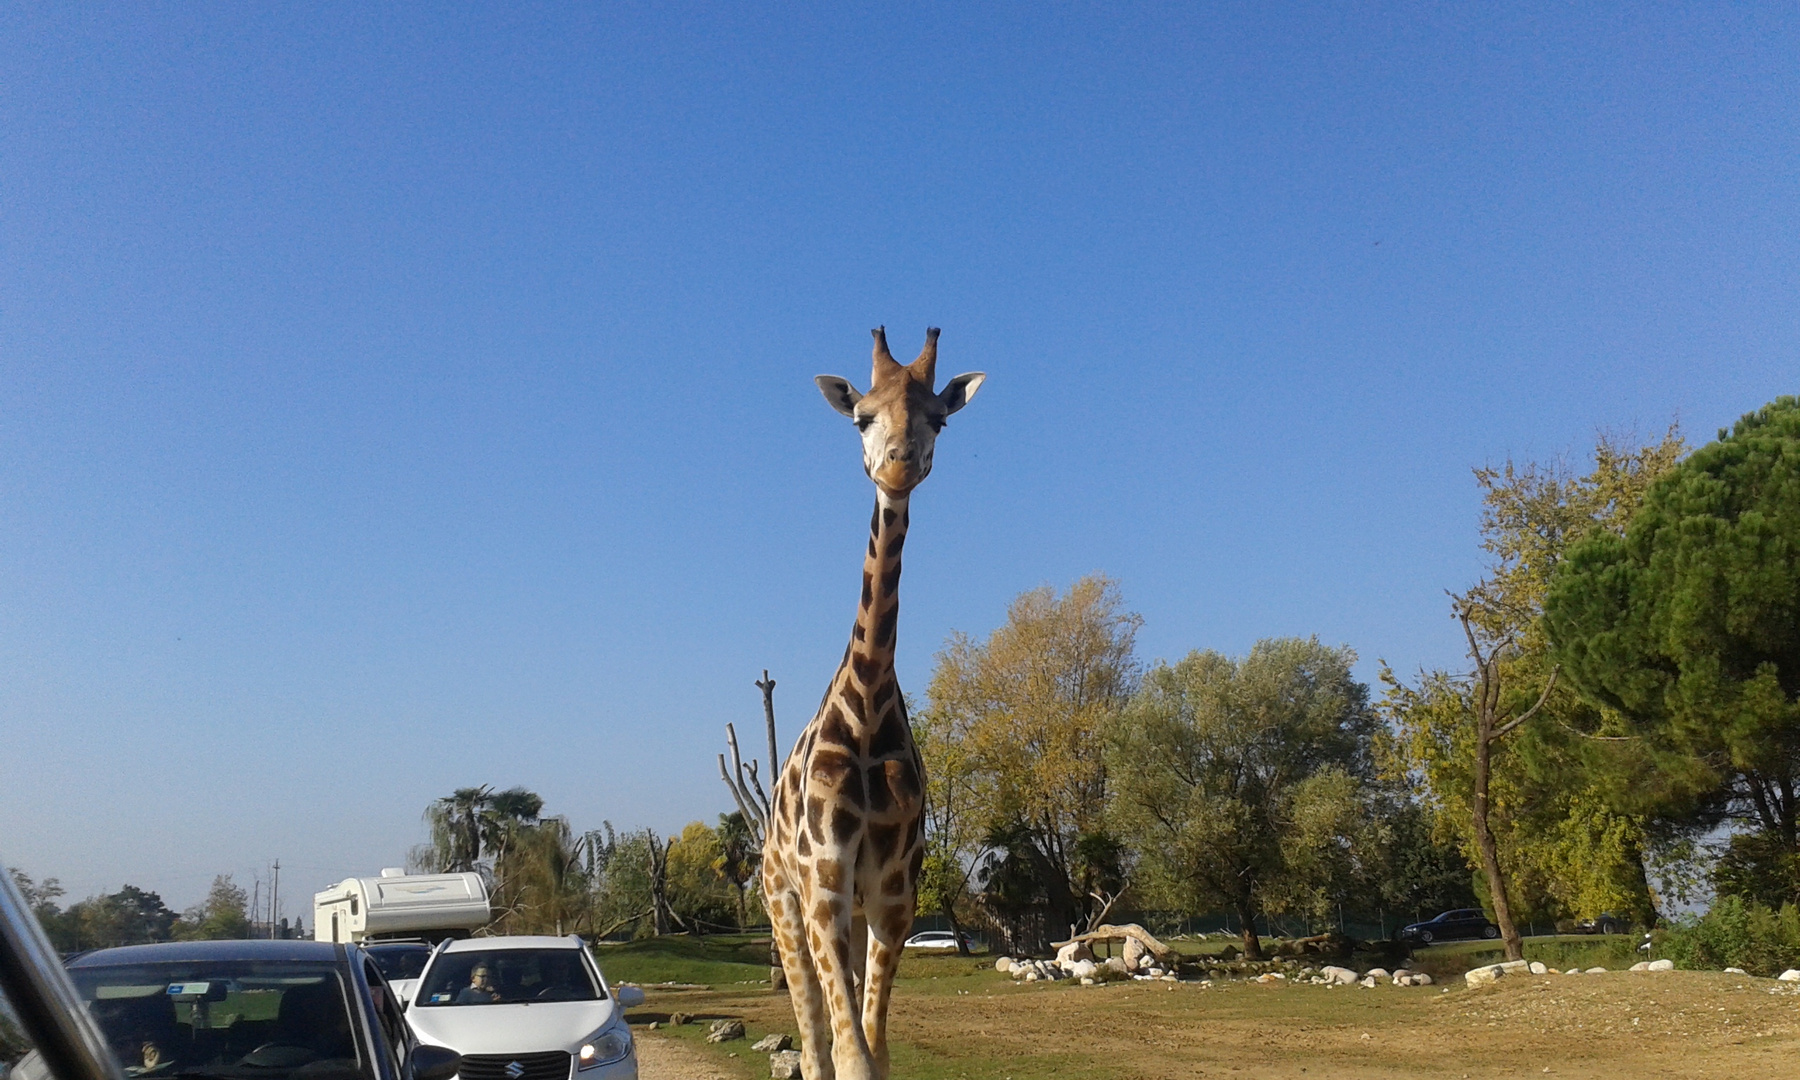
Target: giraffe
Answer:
pixel 844 846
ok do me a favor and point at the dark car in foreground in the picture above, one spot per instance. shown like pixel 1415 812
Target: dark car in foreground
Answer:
pixel 1457 925
pixel 249 1010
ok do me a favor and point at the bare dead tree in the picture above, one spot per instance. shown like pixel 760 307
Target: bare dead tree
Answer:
pixel 744 778
pixel 1490 729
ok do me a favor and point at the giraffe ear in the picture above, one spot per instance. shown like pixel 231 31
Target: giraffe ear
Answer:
pixel 958 391
pixel 839 393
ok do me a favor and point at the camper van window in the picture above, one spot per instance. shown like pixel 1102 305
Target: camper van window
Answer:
pixel 355 905
pixel 508 977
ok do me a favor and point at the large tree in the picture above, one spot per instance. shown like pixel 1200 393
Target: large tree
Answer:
pixel 1558 812
pixel 1242 782
pixel 1033 703
pixel 1687 626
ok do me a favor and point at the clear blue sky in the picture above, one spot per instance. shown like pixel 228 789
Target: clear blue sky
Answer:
pixel 393 400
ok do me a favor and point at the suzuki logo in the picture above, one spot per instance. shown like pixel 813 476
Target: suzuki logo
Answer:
pixel 514 1070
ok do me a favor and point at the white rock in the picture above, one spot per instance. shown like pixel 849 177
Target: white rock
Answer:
pixel 1596 971
pixel 1482 976
pixel 1116 964
pixel 1539 968
pixel 1661 965
pixel 1736 971
pixel 1073 951
pixel 1155 972
pixel 1641 965
pixel 1032 976
pixel 1377 973
pixel 1421 978
pixel 1367 982
pixel 1572 971
pixel 1135 953
pixel 1083 969
pixel 1003 965
pixel 1087 980
pixel 785 1065
pixel 1341 975
pixel 1790 975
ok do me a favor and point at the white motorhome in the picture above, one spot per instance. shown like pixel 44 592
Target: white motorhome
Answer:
pixel 398 904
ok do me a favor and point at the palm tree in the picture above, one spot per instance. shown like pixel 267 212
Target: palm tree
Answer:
pixel 456 828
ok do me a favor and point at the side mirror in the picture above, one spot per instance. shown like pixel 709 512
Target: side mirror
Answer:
pixel 434 1062
pixel 630 997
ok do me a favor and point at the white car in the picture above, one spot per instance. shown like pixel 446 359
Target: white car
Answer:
pixel 933 939
pixel 525 1008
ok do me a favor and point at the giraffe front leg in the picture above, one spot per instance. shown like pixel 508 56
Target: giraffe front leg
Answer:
pixel 828 925
pixel 807 995
pixel 888 927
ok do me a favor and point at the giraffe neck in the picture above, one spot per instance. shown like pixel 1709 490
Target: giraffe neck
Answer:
pixel 871 655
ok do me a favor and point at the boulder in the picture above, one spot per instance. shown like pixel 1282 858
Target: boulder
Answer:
pixel 1736 971
pixel 678 1019
pixel 1116 965
pixel 784 1065
pixel 768 1044
pixel 1420 978
pixel 1539 968
pixel 725 1031
pixel 1367 982
pixel 1269 978
pixel 1641 965
pixel 1135 953
pixel 1076 950
pixel 1340 975
pixel 1790 975
pixel 1378 973
pixel 1661 965
pixel 1082 969
pixel 1482 976
pixel 1004 965
pixel 1595 971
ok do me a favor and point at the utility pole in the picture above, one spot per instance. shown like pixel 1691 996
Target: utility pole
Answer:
pixel 275 898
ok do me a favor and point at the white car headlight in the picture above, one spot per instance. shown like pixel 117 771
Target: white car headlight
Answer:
pixel 608 1045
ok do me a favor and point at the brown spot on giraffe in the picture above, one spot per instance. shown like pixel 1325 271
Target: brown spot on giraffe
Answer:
pixel 851 789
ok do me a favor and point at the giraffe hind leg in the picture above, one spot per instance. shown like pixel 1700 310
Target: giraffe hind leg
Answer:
pixel 808 996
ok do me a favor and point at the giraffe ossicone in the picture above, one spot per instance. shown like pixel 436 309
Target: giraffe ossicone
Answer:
pixel 845 840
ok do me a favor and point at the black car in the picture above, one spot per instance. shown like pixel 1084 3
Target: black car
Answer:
pixel 250 1010
pixel 1604 923
pixel 1451 926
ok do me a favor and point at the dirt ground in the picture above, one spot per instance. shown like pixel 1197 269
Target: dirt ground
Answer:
pixel 1620 1025
pixel 661 1058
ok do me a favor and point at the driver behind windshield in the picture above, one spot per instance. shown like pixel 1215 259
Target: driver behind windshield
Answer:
pixel 480 990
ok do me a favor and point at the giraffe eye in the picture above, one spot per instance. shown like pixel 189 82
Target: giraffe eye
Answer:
pixel 863 422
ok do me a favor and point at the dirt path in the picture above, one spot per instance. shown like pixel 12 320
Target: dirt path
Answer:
pixel 665 1059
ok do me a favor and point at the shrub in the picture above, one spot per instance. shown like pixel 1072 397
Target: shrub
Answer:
pixel 1736 933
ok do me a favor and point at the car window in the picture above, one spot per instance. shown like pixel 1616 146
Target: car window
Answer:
pixel 229 1018
pixel 507 977
pixel 393 1025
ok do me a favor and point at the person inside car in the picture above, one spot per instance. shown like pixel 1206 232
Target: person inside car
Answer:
pixel 480 989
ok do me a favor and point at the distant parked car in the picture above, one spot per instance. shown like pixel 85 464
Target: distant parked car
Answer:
pixel 935 939
pixel 526 1008
pixel 1457 925
pixel 1604 923
pixel 280 1010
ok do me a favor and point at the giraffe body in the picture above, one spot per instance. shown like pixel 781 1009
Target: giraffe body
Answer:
pixel 845 841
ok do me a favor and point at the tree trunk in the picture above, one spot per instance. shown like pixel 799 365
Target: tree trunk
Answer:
pixel 962 947
pixel 1247 918
pixel 1484 840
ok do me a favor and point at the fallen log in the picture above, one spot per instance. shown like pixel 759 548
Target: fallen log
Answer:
pixel 1109 932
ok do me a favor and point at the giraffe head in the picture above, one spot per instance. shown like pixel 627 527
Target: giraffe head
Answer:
pixel 901 415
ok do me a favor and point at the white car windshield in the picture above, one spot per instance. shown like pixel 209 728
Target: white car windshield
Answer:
pixel 507 977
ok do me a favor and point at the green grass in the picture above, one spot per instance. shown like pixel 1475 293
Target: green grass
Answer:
pixel 1615 951
pixel 721 960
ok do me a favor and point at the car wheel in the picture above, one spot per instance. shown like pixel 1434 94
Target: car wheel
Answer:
pixel 1425 936
pixel 1490 932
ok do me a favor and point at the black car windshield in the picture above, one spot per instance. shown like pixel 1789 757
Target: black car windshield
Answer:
pixel 400 961
pixel 227 1018
pixel 507 977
